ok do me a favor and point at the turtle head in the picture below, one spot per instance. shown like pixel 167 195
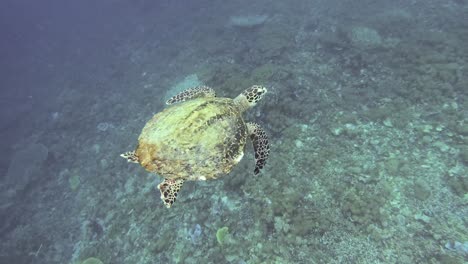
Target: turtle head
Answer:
pixel 250 97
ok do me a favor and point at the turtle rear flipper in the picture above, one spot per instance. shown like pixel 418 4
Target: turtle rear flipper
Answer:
pixel 130 156
pixel 195 92
pixel 260 144
pixel 169 189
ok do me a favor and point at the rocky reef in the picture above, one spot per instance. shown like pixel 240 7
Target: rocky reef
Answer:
pixel 366 115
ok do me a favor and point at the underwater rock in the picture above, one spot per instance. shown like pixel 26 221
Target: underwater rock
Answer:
pixel 459 247
pixel 195 234
pixel 365 37
pixel 189 81
pixel 13 110
pixel 92 261
pixel 247 21
pixel 104 126
pixel 24 166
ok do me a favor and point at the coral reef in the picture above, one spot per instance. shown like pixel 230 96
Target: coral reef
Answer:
pixel 221 235
pixel 366 115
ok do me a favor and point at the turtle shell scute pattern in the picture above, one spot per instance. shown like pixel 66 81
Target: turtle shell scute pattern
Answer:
pixel 233 143
pixel 201 139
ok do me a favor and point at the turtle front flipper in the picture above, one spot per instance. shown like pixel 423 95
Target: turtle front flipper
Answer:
pixel 130 156
pixel 260 144
pixel 169 189
pixel 195 92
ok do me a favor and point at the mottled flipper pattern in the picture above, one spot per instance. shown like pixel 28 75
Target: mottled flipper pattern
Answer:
pixel 130 156
pixel 195 92
pixel 169 190
pixel 260 144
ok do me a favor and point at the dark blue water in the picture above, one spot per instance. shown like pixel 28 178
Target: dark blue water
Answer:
pixel 366 117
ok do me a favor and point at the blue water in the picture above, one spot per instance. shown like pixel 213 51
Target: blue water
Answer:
pixel 366 116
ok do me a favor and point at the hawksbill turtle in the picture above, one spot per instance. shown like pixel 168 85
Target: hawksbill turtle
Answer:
pixel 199 137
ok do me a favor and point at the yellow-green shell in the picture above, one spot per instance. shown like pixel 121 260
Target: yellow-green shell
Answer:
pixel 198 139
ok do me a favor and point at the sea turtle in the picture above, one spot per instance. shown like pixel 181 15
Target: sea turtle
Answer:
pixel 199 137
